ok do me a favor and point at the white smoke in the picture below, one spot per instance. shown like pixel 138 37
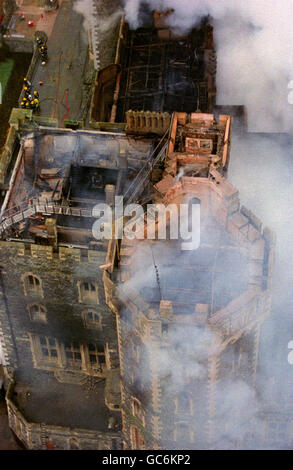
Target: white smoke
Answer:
pixel 239 407
pixel 192 346
pixel 104 19
pixel 260 168
pixel 85 8
pixel 254 42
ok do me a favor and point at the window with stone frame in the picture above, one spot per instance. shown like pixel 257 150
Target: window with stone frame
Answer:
pixel 181 433
pixel 88 292
pixel 32 285
pixel 49 349
pixel 38 313
pixel 183 404
pixel 73 354
pixel 97 358
pixel 92 319
pixel 137 410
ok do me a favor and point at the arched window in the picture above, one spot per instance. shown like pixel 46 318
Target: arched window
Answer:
pixel 32 285
pixel 88 292
pixel 92 319
pixel 37 312
pixel 194 200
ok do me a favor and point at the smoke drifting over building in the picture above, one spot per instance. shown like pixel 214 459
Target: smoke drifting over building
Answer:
pixel 164 348
pixel 253 41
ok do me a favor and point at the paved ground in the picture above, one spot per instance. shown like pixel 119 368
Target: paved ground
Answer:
pixel 43 21
pixel 61 95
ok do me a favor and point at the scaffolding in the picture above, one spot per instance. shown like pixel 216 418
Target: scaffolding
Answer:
pixel 163 74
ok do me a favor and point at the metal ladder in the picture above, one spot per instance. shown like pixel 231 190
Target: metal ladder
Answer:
pixel 95 35
pixel 43 436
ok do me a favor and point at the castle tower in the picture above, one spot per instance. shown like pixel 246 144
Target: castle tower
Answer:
pixel 189 320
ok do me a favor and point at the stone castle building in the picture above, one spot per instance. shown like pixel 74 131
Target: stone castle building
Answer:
pixel 178 311
pixel 127 344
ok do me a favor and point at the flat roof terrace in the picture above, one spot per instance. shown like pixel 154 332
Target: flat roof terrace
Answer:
pixel 42 399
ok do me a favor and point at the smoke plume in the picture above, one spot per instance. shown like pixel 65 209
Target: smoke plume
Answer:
pixel 254 43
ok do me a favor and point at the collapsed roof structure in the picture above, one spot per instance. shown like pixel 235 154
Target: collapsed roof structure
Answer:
pixel 149 328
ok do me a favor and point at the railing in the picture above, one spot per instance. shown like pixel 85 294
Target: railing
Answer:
pixel 21 212
pixel 36 206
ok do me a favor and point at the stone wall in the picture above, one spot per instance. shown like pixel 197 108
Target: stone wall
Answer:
pixel 41 437
pixel 59 274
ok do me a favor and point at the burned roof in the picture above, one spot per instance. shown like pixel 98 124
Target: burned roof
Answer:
pixel 64 172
